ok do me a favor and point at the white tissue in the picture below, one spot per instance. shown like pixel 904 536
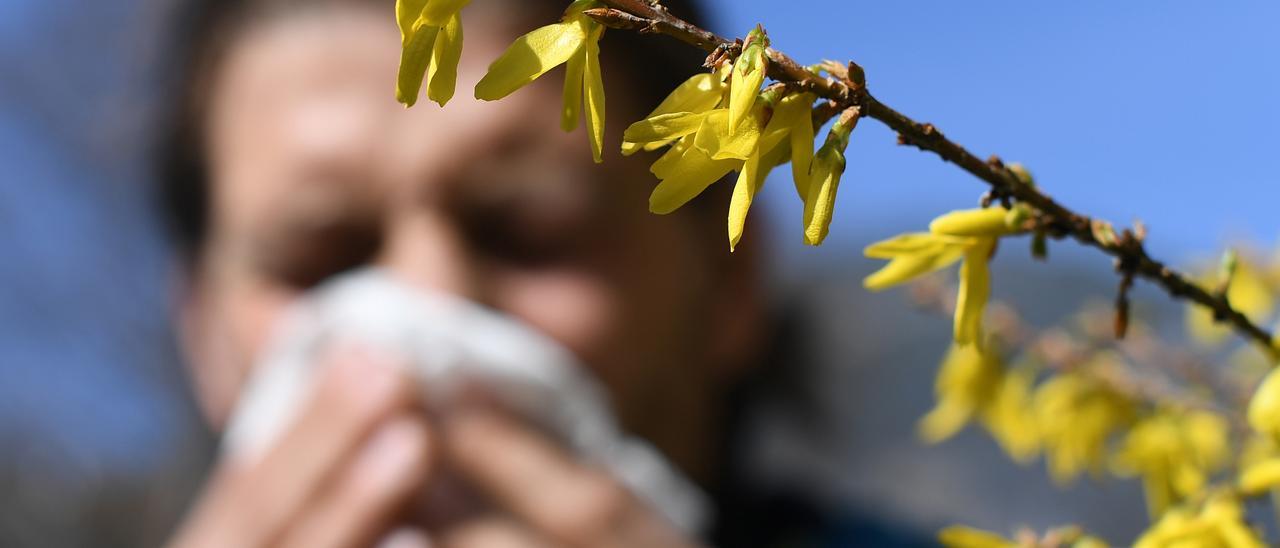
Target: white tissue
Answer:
pixel 450 342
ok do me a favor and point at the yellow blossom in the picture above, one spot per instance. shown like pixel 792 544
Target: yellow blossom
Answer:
pixel 705 151
pixel 1248 291
pixel 826 169
pixel 1260 477
pixel 911 256
pixel 965 383
pixel 991 221
pixel 699 94
pixel 1264 408
pixel 960 536
pixel 1076 415
pixel 1219 522
pixel 970 235
pixel 431 45
pixel 1009 416
pixel 748 74
pixel 792 115
pixel 1174 452
pixel 975 289
pixel 574 42
pixel 1259 465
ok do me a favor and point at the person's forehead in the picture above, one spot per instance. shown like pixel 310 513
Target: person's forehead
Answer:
pixel 313 95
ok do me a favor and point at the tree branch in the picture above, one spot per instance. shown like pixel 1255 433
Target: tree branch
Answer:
pixel 849 90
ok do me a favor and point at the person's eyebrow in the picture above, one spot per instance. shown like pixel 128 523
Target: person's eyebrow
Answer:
pixel 324 226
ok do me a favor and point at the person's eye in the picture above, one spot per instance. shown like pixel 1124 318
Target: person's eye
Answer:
pixel 302 247
pixel 528 233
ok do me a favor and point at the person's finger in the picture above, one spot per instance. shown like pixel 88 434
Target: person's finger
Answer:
pixel 252 502
pixel 490 533
pixel 387 471
pixel 533 479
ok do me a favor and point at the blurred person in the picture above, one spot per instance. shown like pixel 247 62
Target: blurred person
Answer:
pixel 290 162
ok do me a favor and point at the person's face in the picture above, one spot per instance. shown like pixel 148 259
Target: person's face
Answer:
pixel 315 169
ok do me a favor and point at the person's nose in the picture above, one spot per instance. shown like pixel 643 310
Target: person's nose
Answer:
pixel 426 249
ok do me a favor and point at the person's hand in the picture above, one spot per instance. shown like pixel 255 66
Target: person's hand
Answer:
pixel 546 498
pixel 357 452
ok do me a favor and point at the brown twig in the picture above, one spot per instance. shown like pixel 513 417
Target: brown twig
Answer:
pixel 1057 220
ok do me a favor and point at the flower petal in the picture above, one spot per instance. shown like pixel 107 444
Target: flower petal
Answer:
pixel 750 180
pixel 975 289
pixel 1260 477
pixel 699 94
pixel 437 13
pixel 531 56
pixel 669 162
pixel 664 127
pixel 748 76
pixel 688 177
pixel 819 206
pixel 593 82
pixel 973 222
pixel 442 73
pixel 802 136
pixel 903 244
pixel 414 58
pixel 1264 407
pixel 407 14
pixel 908 267
pixel 574 87
pixel 960 536
pixel 717 141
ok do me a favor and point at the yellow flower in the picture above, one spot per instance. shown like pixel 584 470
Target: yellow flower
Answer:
pixel 825 171
pixel 1264 408
pixel 911 256
pixel 574 42
pixel 1174 452
pixel 705 151
pixel 965 383
pixel 1259 465
pixel 699 94
pixel 991 221
pixel 748 74
pixel 1218 523
pixel 1076 415
pixel 975 289
pixel 1260 477
pixel 1248 292
pixel 1009 416
pixel 961 536
pixel 792 116
pixel 431 45
pixel 970 235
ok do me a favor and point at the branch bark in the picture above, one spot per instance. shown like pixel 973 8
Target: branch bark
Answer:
pixel 1058 220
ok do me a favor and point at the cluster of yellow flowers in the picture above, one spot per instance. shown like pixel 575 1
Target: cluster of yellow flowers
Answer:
pixel 1215 522
pixel 1081 423
pixel 959 536
pixel 1197 464
pixel 713 124
pixel 1076 416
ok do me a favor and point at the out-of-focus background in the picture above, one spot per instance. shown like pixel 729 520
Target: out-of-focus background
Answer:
pixel 1163 111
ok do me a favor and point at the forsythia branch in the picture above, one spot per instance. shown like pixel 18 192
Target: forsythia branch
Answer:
pixel 850 91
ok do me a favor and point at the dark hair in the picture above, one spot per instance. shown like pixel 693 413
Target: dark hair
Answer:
pixel 206 29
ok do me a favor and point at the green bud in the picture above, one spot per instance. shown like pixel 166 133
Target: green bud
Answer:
pixel 1040 246
pixel 1024 176
pixel 1227 265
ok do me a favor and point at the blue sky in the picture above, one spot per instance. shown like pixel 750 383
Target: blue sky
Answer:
pixel 1163 111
